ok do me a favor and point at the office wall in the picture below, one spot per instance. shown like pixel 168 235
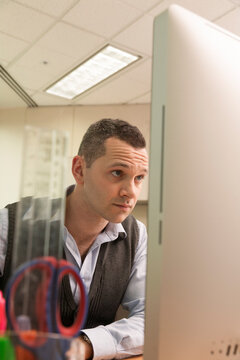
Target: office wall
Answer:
pixel 73 119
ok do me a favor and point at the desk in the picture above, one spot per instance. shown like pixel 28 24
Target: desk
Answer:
pixel 140 357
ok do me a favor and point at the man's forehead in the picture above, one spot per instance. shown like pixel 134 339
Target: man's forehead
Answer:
pixel 119 151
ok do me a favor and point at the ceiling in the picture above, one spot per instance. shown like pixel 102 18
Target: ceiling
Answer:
pixel 41 40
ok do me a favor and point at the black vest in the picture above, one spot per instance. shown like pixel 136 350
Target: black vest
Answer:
pixel 109 281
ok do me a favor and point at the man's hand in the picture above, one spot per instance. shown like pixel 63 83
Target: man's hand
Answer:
pixel 80 349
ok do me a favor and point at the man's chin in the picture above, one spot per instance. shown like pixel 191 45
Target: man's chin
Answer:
pixel 116 219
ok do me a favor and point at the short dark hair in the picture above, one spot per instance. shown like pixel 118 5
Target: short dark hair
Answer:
pixel 92 145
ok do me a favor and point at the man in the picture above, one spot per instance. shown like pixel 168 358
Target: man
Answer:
pixel 103 240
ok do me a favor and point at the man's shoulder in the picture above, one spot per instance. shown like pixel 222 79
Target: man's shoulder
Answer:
pixel 132 222
pixel 133 227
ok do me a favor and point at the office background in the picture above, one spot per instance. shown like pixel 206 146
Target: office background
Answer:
pixel 41 40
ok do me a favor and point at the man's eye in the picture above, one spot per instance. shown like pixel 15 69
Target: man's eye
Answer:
pixel 117 173
pixel 139 178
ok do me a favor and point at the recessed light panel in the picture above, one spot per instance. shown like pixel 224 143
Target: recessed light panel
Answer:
pixel 105 63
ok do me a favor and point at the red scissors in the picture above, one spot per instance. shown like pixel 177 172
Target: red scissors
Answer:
pixel 46 305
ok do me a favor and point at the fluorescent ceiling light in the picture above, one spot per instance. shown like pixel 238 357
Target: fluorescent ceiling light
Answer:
pixel 105 63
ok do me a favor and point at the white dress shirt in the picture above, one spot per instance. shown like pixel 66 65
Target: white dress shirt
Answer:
pixel 121 338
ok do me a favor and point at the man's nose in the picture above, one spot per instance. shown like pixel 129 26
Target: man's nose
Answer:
pixel 128 189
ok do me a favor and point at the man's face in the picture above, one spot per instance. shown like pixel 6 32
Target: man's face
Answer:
pixel 112 184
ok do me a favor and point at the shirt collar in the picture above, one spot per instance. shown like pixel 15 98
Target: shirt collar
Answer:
pixel 113 231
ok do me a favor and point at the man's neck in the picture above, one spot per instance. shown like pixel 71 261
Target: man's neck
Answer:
pixel 83 225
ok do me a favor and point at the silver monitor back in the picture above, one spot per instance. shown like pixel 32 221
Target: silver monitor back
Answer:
pixel 193 271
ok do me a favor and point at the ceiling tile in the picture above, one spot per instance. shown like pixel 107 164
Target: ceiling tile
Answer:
pixel 31 78
pixel 3 62
pixel 69 40
pixel 11 47
pixel 43 60
pixel 105 17
pixel 9 98
pixel 142 4
pixel 54 8
pixel 231 21
pixel 144 99
pixel 142 72
pixel 118 90
pixel 205 8
pixel 138 36
pixel 22 22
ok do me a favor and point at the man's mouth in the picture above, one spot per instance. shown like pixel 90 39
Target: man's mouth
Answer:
pixel 124 206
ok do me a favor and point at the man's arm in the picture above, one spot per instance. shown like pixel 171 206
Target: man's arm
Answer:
pixel 3 237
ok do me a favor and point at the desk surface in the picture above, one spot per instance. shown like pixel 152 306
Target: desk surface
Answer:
pixel 136 358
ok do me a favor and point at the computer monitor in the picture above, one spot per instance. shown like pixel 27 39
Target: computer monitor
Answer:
pixel 193 269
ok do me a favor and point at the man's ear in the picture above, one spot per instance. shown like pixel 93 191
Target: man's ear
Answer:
pixel 78 165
